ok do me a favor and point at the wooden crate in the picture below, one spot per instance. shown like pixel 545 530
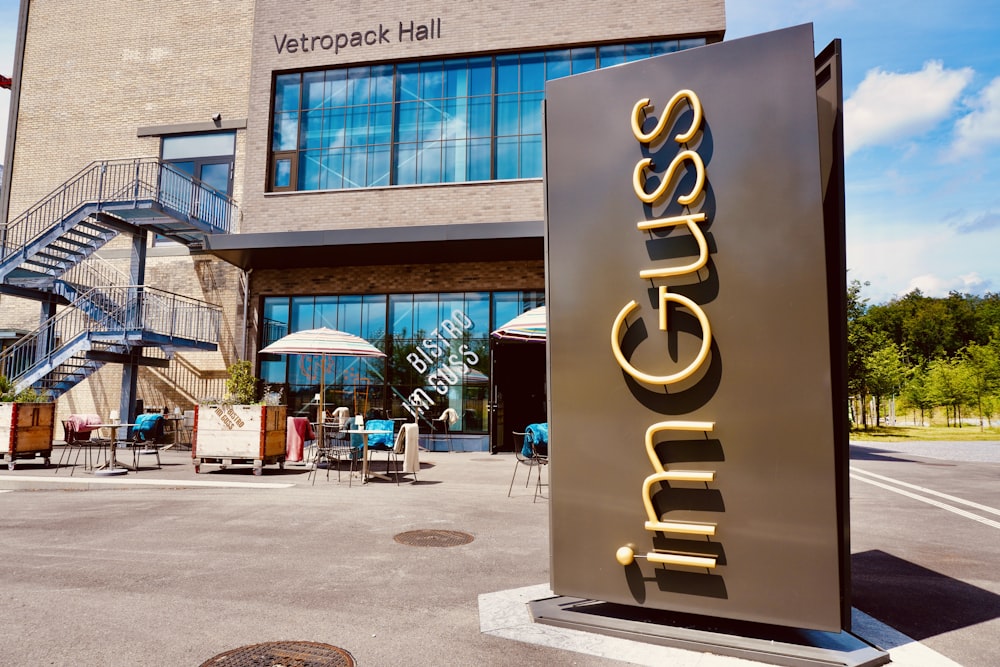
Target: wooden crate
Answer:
pixel 26 431
pixel 232 434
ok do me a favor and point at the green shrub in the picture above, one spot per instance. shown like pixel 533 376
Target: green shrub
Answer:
pixel 29 395
pixel 241 384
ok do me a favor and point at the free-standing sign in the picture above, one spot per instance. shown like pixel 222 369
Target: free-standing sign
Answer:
pixel 696 462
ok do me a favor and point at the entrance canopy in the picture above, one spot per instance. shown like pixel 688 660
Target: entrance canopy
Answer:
pixel 431 244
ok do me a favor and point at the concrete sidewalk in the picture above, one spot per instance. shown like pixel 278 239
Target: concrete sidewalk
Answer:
pixel 168 567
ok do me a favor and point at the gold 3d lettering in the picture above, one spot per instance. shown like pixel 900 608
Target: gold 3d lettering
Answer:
pixel 687 159
pixel 639 113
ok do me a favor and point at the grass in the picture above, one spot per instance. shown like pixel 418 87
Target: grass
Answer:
pixel 902 433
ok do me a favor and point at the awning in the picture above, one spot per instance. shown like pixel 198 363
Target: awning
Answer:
pixel 427 244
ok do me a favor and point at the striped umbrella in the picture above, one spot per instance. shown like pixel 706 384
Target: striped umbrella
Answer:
pixel 529 326
pixel 324 342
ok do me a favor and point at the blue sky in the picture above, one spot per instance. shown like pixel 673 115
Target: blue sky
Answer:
pixel 921 127
pixel 922 133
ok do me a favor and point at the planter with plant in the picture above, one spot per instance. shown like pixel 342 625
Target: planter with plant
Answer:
pixel 238 429
pixel 27 421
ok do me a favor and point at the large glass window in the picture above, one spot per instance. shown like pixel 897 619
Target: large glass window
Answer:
pixel 440 121
pixel 437 352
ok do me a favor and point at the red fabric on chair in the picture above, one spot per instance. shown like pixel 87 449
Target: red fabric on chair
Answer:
pixel 297 432
pixel 84 423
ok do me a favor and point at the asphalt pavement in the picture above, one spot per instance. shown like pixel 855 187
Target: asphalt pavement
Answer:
pixel 168 567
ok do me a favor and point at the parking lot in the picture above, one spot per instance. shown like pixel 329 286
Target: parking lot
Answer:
pixel 166 567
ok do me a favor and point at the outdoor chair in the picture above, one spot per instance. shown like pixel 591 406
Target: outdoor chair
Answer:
pixel 379 442
pixel 537 439
pixel 519 460
pixel 148 435
pixel 186 433
pixel 408 444
pixel 443 424
pixel 528 453
pixel 332 447
pixel 80 442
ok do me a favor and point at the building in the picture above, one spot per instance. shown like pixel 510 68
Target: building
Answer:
pixel 385 161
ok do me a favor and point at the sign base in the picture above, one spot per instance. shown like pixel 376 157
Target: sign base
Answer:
pixel 770 644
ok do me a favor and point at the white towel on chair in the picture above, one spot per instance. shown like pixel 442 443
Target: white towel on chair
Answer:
pixel 341 416
pixel 450 415
pixel 408 444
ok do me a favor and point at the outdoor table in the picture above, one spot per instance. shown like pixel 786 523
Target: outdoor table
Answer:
pixel 364 432
pixel 113 466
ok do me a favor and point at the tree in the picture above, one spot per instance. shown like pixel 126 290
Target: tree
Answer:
pixel 885 374
pixel 981 367
pixel 948 386
pixel 917 392
pixel 859 345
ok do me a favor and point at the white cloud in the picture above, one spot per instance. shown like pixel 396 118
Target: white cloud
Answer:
pixel 898 254
pixel 889 107
pixel 980 129
pixel 937 286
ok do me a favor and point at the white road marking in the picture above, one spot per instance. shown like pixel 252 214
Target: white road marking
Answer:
pixel 930 501
pixel 932 492
pixel 151 482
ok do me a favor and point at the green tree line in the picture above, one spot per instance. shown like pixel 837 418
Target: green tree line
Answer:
pixel 926 354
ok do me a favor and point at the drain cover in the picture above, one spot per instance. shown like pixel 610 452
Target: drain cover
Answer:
pixel 433 538
pixel 283 654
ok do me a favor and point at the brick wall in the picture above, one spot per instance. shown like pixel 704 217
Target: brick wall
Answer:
pixel 94 72
pixel 457 277
pixel 466 27
pixel 97 70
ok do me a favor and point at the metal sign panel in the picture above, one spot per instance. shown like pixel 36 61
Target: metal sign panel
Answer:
pixel 694 463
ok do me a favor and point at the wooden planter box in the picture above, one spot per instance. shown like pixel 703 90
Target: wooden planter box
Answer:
pixel 233 434
pixel 26 431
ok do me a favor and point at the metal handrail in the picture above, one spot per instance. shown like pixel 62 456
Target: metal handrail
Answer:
pixel 137 308
pixel 121 181
pixel 96 271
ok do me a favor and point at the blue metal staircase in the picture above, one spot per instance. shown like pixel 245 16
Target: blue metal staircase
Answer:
pixel 48 254
pixel 70 346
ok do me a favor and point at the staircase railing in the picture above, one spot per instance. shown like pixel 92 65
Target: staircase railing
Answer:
pixel 121 181
pixel 96 271
pixel 138 310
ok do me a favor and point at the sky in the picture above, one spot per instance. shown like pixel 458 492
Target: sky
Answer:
pixel 921 133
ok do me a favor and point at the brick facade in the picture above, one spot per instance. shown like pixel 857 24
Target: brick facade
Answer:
pixel 466 28
pixel 95 71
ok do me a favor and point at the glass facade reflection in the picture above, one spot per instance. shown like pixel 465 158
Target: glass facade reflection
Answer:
pixel 437 352
pixel 440 121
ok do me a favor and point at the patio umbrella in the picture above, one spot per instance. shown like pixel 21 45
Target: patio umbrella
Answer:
pixel 323 342
pixel 529 326
pixel 472 376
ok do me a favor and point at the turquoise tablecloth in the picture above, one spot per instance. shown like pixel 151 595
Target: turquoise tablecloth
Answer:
pixel 537 435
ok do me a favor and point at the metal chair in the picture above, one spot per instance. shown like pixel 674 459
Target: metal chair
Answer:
pixel 186 433
pixel 83 443
pixel 443 425
pixel 332 447
pixel 521 459
pixel 148 436
pixel 384 443
pixel 408 444
pixel 541 460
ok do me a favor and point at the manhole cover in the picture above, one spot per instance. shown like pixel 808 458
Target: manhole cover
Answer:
pixel 433 538
pixel 283 654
